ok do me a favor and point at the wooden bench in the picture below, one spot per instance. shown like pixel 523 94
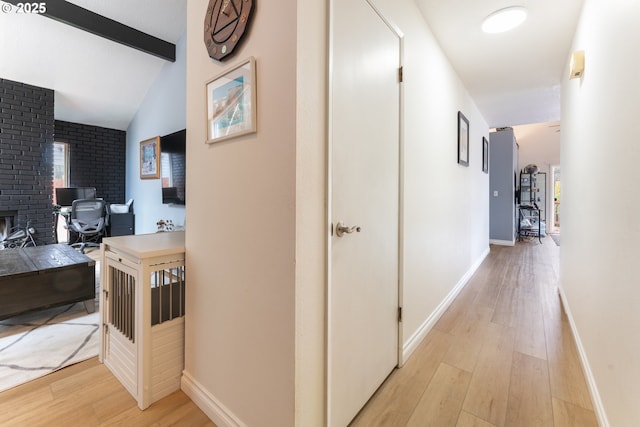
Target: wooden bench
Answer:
pixel 44 276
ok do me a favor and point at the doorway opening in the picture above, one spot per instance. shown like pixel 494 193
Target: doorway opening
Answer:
pixel 555 179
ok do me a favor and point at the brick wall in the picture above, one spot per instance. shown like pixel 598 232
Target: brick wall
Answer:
pixel 26 156
pixel 97 158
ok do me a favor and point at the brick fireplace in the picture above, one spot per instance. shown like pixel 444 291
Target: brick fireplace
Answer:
pixel 7 219
pixel 26 157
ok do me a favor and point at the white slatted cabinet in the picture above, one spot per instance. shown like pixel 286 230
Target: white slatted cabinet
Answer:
pixel 142 312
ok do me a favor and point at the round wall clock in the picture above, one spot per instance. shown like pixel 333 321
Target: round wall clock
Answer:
pixel 225 23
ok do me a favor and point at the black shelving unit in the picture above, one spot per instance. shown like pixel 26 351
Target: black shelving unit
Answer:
pixel 529 222
pixel 529 215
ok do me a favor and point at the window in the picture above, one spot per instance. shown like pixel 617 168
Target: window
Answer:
pixel 60 166
pixel 166 170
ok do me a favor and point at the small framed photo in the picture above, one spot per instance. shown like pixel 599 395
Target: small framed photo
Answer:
pixel 150 158
pixel 485 155
pixel 463 140
pixel 231 102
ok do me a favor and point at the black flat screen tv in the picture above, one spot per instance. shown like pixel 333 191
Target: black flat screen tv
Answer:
pixel 173 162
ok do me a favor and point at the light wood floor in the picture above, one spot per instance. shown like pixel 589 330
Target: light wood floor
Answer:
pixel 501 355
pixel 87 395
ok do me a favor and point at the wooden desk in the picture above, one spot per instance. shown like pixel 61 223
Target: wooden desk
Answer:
pixel 44 276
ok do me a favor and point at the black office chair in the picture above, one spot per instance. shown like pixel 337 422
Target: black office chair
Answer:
pixel 88 219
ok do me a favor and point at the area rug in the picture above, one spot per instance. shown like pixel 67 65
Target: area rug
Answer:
pixel 35 344
pixel 41 342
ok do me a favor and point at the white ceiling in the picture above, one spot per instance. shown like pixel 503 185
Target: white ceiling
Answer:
pixel 539 143
pixel 514 77
pixel 96 81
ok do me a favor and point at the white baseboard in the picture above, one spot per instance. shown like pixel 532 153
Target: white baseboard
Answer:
pixel 503 242
pixel 414 341
pixel 215 410
pixel 586 369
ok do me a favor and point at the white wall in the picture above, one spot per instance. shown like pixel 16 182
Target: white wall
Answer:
pixel 257 218
pixel 311 220
pixel 240 237
pixel 162 112
pixel 446 206
pixel 600 227
pixel 539 144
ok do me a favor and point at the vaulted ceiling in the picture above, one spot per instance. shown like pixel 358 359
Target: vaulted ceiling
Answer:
pixel 96 81
pixel 514 77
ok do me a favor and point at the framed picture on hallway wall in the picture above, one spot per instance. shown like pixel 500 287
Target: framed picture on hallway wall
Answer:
pixel 485 155
pixel 231 102
pixel 463 140
pixel 150 158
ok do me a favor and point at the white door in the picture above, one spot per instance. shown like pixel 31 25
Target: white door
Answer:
pixel 365 146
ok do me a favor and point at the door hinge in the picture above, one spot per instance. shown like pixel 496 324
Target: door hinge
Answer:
pixel 400 74
pixel 399 314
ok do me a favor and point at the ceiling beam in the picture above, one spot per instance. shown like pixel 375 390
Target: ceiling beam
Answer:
pixel 84 19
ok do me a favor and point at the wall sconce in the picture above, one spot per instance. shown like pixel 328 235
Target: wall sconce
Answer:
pixel 576 66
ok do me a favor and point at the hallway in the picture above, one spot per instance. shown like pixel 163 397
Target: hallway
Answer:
pixel 501 355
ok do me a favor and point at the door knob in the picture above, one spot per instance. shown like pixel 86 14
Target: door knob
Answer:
pixel 343 229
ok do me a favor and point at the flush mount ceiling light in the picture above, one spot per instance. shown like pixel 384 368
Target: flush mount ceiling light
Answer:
pixel 504 19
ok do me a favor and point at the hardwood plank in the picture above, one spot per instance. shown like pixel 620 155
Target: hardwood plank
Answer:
pixel 482 275
pixel 549 297
pixel 469 335
pixel 529 393
pixel 528 277
pixel 442 400
pixel 92 380
pixel 566 376
pixel 88 395
pixel 489 389
pixel 183 416
pixel 63 415
pixel 34 395
pixel 566 414
pixel 17 404
pixel 50 378
pixel 507 304
pixel 467 420
pixel 173 410
pixel 469 319
pixel 530 332
pixel 73 399
pixel 394 402
pixel 113 404
pixel 458 307
pixel 490 291
pixel 152 415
